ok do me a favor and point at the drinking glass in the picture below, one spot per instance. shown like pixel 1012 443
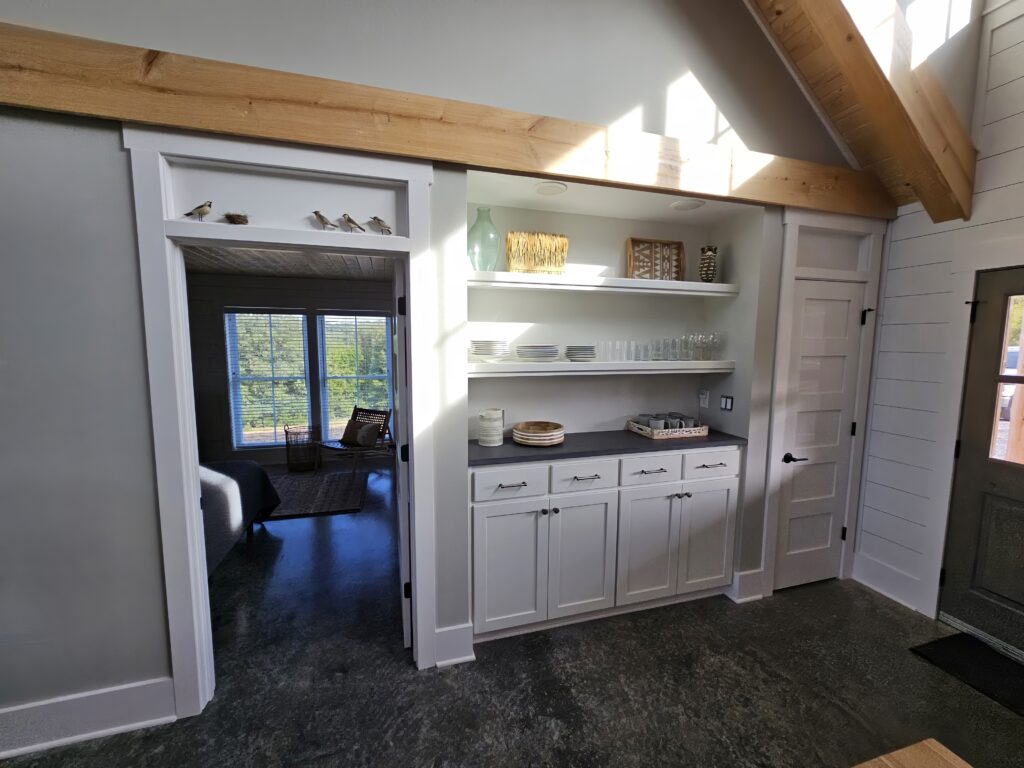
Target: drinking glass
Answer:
pixel 631 353
pixel 684 347
pixel 714 345
pixel 619 351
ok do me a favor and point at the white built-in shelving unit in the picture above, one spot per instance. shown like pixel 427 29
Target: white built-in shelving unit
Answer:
pixel 518 369
pixel 581 283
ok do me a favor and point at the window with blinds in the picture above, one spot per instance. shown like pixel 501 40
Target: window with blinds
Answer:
pixel 355 368
pixel 268 375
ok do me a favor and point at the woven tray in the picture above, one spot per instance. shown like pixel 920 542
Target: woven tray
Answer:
pixel 667 434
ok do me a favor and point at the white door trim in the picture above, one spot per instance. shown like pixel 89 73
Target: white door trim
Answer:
pixel 165 315
pixel 867 273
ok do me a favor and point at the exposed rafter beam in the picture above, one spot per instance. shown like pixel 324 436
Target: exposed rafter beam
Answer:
pixel 48 71
pixel 896 119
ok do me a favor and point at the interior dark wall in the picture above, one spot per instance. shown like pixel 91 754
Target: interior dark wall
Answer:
pixel 209 296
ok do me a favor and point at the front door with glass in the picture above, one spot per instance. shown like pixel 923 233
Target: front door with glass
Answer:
pixel 983 586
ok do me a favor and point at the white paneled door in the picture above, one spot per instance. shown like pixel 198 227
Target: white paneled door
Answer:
pixel 510 562
pixel 581 552
pixel 817 445
pixel 648 543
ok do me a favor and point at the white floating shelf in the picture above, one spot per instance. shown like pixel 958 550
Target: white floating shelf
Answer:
pixel 540 282
pixel 192 232
pixel 519 369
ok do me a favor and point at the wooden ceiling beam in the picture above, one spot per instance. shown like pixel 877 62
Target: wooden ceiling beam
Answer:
pixel 896 119
pixel 44 70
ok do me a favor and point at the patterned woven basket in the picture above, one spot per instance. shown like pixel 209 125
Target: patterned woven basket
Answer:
pixel 667 434
pixel 536 252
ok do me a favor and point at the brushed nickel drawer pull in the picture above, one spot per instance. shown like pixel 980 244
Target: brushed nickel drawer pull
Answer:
pixel 712 466
pixel 653 471
pixel 502 486
pixel 586 477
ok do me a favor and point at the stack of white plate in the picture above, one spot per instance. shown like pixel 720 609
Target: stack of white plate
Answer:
pixel 489 350
pixel 538 433
pixel 581 353
pixel 537 353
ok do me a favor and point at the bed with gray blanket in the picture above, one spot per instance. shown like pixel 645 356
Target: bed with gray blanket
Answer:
pixel 235 494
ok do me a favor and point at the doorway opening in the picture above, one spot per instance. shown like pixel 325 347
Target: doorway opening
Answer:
pixel 294 354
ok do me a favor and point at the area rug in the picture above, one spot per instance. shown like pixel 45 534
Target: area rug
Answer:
pixel 322 492
pixel 973 662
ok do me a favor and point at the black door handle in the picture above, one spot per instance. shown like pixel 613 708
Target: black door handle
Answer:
pixel 789 458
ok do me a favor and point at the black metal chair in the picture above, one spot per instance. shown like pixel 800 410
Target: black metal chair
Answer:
pixel 383 444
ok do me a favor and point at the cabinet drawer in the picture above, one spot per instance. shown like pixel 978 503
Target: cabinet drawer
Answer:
pixel 650 468
pixel 711 464
pixel 501 484
pixel 584 476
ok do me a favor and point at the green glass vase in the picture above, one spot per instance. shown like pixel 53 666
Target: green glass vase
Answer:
pixel 484 246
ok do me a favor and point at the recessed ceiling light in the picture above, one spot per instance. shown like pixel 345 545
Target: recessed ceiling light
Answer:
pixel 550 188
pixel 686 204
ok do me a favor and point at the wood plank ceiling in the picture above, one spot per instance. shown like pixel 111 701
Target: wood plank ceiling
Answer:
pixel 287 263
pixel 896 119
pixel 44 70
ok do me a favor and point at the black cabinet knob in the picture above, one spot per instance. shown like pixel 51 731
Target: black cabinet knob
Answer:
pixel 543 511
pixel 555 510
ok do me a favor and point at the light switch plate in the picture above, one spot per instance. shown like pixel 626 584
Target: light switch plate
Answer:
pixel 705 396
pixel 725 403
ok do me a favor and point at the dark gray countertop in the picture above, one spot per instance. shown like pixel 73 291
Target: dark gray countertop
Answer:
pixel 580 445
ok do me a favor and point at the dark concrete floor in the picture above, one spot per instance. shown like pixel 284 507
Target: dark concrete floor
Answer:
pixel 311 671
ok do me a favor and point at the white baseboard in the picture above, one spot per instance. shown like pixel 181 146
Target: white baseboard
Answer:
pixel 454 645
pixel 746 586
pixel 604 613
pixel 52 723
pixel 888 581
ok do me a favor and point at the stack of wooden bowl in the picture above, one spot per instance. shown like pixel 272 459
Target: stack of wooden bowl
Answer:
pixel 538 433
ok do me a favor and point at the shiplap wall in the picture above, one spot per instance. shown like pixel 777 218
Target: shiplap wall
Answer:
pixel 919 362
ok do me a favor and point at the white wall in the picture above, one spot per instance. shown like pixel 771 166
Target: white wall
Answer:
pixel 751 249
pixel 596 61
pixel 209 296
pixel 81 577
pixel 922 333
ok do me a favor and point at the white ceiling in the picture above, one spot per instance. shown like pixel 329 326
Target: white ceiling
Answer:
pixel 498 189
pixel 287 263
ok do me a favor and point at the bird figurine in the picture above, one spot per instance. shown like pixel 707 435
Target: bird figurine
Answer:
pixel 201 211
pixel 323 220
pixel 236 218
pixel 351 223
pixel 383 226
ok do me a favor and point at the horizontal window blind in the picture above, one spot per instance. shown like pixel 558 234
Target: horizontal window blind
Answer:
pixel 268 376
pixel 355 367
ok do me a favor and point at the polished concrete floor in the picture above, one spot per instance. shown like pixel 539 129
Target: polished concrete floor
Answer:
pixel 311 672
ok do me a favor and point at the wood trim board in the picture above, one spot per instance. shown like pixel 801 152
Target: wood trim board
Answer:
pixel 50 71
pixel 896 118
pixel 924 754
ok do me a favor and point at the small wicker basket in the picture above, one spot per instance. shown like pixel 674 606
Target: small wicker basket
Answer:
pixel 536 252
pixel 667 434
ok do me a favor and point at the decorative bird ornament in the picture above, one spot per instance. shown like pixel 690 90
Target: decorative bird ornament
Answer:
pixel 351 223
pixel 324 221
pixel 201 211
pixel 383 226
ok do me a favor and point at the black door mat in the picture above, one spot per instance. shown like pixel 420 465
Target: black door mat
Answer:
pixel 973 662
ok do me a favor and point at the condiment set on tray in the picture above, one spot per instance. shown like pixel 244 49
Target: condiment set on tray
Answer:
pixel 667 426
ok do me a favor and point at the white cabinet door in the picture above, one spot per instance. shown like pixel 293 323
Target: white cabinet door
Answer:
pixel 510 564
pixel 648 543
pixel 581 552
pixel 706 533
